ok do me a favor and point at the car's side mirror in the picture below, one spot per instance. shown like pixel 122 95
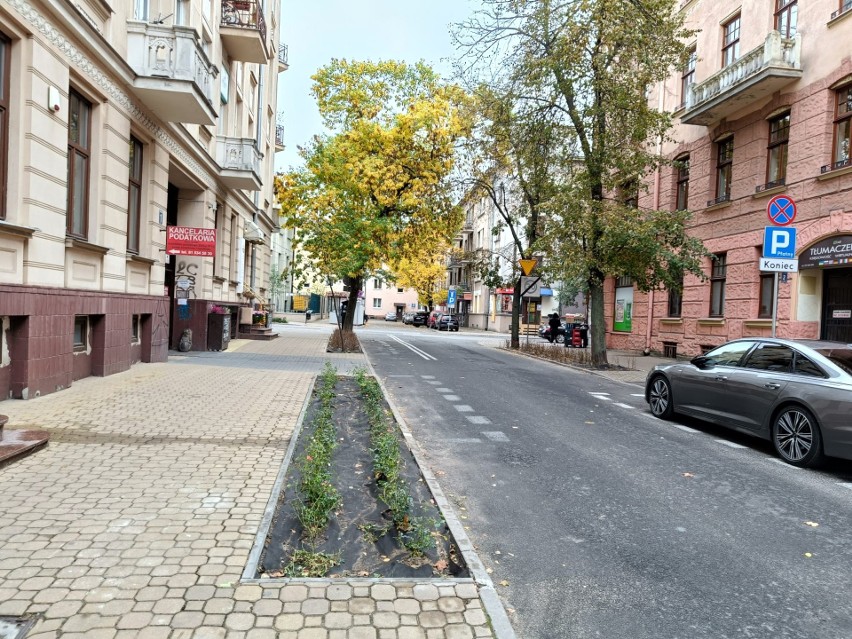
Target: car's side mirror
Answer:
pixel 702 362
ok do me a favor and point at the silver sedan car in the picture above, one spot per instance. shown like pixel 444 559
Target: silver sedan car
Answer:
pixel 795 393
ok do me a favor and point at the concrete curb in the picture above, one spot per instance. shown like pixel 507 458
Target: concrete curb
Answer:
pixel 493 606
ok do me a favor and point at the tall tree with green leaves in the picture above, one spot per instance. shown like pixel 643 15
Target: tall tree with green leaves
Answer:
pixel 376 188
pixel 587 65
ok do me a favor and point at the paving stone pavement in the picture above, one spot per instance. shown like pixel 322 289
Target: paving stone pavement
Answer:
pixel 138 518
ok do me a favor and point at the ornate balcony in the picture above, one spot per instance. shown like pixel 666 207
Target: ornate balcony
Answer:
pixel 283 57
pixel 239 163
pixel 279 137
pixel 243 30
pixel 174 78
pixel 756 75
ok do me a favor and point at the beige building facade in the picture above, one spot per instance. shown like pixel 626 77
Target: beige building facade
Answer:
pixel 763 116
pixel 119 119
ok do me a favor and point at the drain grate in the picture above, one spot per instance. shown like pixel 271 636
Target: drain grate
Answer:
pixel 16 627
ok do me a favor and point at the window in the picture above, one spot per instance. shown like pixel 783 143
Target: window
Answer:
pixel 399 290
pixel 624 280
pixel 134 329
pixel 682 200
pixel 676 300
pixel 79 123
pixel 728 354
pixel 182 13
pixel 767 292
pixel 786 17
pixel 687 79
pixel 134 195
pixel 842 127
pixel 779 137
pixel 140 9
pixel 377 284
pixel 717 285
pixel 773 358
pixel 724 164
pixel 804 366
pixel 377 302
pixel 731 42
pixel 81 329
pixel 5 50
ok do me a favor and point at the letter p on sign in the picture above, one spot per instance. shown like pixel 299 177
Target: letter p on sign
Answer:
pixel 779 242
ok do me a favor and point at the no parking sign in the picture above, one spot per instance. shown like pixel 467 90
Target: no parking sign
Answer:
pixel 781 210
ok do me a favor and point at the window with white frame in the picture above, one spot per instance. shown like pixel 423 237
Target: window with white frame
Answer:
pixel 377 302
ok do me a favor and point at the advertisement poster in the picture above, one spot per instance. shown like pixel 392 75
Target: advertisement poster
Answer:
pixel 623 310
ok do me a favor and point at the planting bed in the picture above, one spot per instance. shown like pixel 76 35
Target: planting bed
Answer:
pixel 364 536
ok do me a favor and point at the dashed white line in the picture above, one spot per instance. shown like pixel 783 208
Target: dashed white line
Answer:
pixel 622 405
pixel 844 484
pixel 428 376
pixel 597 393
pixel 496 436
pixel 685 429
pixel 477 419
pixel 452 398
pixel 637 394
pixel 729 444
pixel 463 408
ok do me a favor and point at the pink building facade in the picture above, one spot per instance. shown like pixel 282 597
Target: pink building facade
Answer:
pixel 764 108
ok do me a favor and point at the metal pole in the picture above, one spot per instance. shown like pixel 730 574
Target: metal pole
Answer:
pixel 774 302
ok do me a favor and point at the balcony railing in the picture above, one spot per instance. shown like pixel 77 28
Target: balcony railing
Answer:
pixel 283 57
pixel 719 200
pixel 843 9
pixel 840 164
pixel 243 30
pixel 757 74
pixel 770 185
pixel 239 161
pixel 279 136
pixel 173 75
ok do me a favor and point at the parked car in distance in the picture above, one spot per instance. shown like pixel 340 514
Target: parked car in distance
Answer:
pixel 447 322
pixel 544 333
pixel 391 316
pixel 795 393
pixel 406 318
pixel 433 317
pixel 420 318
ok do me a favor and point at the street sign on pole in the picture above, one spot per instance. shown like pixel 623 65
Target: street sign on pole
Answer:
pixel 528 265
pixel 779 242
pixel 777 265
pixel 451 298
pixel 781 210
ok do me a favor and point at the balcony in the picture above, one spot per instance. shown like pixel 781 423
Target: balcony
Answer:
pixel 279 137
pixel 239 163
pixel 756 75
pixel 174 78
pixel 243 30
pixel 283 57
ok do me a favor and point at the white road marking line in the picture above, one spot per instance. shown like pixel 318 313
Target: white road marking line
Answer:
pixel 432 381
pixel 785 464
pixel 477 419
pixel 464 440
pixel 452 398
pixel 685 429
pixel 396 376
pixel 622 405
pixel 496 436
pixel 637 394
pixel 428 376
pixel 463 408
pixel 414 349
pixel 597 393
pixel 844 484
pixel 444 389
pixel 729 444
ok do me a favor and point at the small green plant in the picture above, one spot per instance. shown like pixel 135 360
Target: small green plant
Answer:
pixel 306 563
pixel 420 536
pixel 373 532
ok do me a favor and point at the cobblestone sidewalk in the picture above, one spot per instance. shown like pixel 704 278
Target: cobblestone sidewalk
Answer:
pixel 138 518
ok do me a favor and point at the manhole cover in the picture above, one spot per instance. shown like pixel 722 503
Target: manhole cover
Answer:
pixel 16 627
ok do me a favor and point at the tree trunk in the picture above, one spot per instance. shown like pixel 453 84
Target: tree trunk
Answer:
pixel 597 324
pixel 354 284
pixel 516 315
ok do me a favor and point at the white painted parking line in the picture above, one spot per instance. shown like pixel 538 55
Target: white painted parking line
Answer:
pixel 844 484
pixel 432 381
pixel 414 349
pixel 444 390
pixel 685 429
pixel 597 393
pixel 603 397
pixel 463 408
pixel 477 419
pixel 496 436
pixel 428 376
pixel 452 398
pixel 637 394
pixel 622 405
pixel 729 444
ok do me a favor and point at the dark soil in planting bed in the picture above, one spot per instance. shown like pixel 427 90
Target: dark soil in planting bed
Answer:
pixel 361 530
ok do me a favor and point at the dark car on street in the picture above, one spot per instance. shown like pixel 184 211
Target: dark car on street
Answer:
pixel 544 332
pixel 795 393
pixel 420 318
pixel 447 322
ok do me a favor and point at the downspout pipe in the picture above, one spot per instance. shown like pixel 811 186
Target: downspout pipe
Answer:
pixel 656 205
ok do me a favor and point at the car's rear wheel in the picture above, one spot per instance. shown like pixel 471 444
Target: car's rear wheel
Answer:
pixel 560 339
pixel 796 436
pixel 660 398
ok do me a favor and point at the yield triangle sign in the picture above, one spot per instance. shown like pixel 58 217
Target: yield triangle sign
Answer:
pixel 528 265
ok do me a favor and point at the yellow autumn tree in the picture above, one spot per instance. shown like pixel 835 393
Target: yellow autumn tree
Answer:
pixel 376 188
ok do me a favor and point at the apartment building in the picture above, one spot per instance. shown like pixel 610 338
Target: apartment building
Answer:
pixel 763 108
pixel 382 297
pixel 120 119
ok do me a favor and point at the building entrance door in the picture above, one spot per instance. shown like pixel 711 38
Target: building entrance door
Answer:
pixel 837 305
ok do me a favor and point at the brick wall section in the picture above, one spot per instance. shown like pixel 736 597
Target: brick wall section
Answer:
pixel 41 329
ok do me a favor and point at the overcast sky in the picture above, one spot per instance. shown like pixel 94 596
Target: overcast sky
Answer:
pixel 318 30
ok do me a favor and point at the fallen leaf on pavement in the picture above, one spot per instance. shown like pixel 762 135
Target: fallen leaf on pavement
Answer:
pixel 504 583
pixel 812 524
pixel 440 565
pixel 687 474
pixel 807 554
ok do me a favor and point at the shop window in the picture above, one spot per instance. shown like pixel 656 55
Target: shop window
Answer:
pixel 767 292
pixel 718 275
pixel 682 198
pixel 779 137
pixel 79 148
pixel 786 17
pixel 731 41
pixel 5 53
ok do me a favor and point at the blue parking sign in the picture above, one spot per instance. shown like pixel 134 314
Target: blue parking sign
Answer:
pixel 779 242
pixel 451 297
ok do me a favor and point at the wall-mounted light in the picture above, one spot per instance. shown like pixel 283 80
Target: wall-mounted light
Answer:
pixel 54 99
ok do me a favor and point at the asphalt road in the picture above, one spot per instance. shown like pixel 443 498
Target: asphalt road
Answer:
pixel 603 521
